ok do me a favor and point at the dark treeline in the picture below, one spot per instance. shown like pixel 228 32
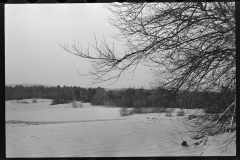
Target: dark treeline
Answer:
pixel 59 94
pixel 131 97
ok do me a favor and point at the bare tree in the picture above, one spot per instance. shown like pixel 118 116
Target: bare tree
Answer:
pixel 192 45
pixel 188 46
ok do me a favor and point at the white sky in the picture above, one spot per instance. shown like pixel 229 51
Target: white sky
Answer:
pixel 32 52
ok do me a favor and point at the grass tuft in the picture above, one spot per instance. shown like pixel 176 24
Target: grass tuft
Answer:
pixel 181 113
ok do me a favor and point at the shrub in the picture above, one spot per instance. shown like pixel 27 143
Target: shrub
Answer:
pixel 59 101
pixel 212 111
pixel 192 116
pixel 170 109
pixel 74 104
pixel 161 110
pixel 137 110
pixel 56 101
pixel 130 111
pixel 198 136
pixel 23 102
pixel 147 110
pixel 153 110
pixel 34 101
pixel 181 113
pixel 125 112
pixel 169 112
pixel 80 105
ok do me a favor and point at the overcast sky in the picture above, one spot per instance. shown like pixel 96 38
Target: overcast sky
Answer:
pixel 32 52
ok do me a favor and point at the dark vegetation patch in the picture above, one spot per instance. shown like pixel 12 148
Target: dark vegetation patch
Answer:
pixel 34 100
pixel 59 101
pixel 22 102
pixel 181 113
pixel 138 98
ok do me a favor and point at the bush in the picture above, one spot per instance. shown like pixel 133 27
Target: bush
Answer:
pixel 212 111
pixel 80 105
pixel 154 110
pixel 34 101
pixel 170 109
pixel 124 111
pixel 198 136
pixel 74 104
pixel 169 112
pixel 147 110
pixel 161 110
pixel 59 101
pixel 192 116
pixel 23 102
pixel 181 113
pixel 130 111
pixel 137 110
pixel 56 101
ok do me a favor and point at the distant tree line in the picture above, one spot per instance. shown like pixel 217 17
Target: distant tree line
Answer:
pixel 59 94
pixel 163 98
pixel 131 97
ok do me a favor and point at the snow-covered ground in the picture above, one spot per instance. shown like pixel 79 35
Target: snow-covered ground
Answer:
pixel 95 131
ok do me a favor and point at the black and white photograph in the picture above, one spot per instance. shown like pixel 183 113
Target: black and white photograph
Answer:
pixel 120 79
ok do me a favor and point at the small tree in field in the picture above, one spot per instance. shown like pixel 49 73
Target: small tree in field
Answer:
pixel 34 101
pixel 74 104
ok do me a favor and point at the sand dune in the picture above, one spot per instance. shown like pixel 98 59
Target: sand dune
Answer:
pixel 99 132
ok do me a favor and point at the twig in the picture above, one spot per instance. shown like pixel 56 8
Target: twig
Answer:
pixel 226 110
pixel 233 116
pixel 132 126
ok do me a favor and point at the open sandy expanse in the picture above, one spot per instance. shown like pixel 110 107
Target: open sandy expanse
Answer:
pixel 42 130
